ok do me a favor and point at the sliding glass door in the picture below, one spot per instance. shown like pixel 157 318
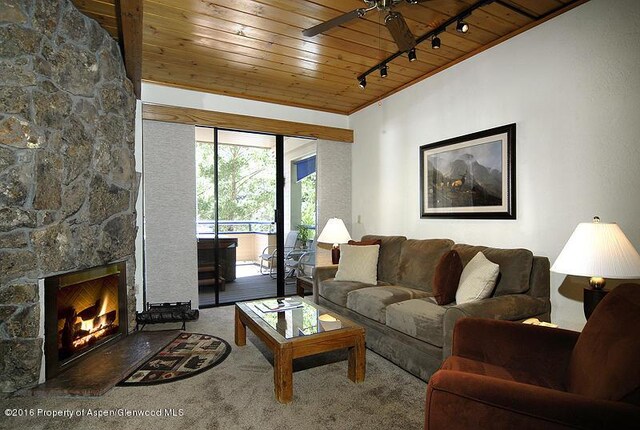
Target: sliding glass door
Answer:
pixel 240 215
pixel 256 212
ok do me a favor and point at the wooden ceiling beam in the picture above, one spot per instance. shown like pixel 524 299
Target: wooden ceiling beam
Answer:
pixel 202 117
pixel 129 16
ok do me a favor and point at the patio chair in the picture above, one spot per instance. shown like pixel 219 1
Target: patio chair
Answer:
pixel 300 262
pixel 269 254
pixel 307 261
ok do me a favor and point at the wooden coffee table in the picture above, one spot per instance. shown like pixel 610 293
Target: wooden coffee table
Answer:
pixel 300 332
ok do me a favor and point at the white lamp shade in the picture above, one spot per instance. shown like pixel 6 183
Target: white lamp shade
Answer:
pixel 597 249
pixel 334 232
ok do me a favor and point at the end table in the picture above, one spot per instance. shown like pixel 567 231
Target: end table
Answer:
pixel 303 283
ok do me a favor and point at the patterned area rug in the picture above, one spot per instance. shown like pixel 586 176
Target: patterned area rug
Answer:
pixel 188 355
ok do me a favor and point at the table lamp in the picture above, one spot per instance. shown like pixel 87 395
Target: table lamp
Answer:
pixel 598 250
pixel 334 232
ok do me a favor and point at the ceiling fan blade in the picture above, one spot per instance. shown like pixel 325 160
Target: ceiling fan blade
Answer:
pixel 322 27
pixel 399 30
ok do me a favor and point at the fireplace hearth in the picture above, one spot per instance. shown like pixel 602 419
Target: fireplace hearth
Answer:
pixel 84 310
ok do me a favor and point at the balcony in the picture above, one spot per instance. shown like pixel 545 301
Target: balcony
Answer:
pixel 240 246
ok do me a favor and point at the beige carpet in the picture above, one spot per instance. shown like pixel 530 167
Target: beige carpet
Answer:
pixel 238 394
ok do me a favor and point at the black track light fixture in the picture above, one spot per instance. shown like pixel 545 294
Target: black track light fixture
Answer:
pixel 410 49
pixel 462 26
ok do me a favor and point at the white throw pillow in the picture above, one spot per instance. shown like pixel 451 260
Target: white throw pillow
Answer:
pixel 477 280
pixel 358 263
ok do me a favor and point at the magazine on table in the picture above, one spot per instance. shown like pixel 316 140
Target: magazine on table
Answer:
pixel 278 305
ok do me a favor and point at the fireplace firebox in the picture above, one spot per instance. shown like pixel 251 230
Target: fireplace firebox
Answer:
pixel 84 310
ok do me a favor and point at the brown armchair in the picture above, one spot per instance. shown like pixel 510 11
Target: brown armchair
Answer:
pixel 507 375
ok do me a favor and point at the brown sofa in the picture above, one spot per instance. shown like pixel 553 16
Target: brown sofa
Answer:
pixel 520 376
pixel 403 322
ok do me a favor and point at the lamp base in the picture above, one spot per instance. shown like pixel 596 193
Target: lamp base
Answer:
pixel 592 297
pixel 335 254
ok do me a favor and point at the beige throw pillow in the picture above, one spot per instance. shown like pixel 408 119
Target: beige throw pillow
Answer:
pixel 358 263
pixel 477 280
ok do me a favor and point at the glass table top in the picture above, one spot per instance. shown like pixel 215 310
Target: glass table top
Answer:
pixel 294 318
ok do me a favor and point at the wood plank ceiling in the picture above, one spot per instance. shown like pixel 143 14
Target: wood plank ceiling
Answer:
pixel 255 48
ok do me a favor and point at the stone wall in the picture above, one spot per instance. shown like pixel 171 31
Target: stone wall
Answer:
pixel 68 184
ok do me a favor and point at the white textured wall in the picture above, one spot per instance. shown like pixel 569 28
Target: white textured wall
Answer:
pixel 572 85
pixel 171 262
pixel 333 189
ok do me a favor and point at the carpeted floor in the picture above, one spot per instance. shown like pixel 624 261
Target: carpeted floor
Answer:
pixel 238 394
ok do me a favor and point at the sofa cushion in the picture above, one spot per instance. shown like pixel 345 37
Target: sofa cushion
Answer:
pixel 373 301
pixel 336 291
pixel 389 255
pixel 419 318
pixel 515 266
pixel 478 279
pixel 358 264
pixel 447 278
pixel 418 261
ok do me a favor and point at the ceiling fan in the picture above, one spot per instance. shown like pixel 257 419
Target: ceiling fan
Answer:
pixel 394 21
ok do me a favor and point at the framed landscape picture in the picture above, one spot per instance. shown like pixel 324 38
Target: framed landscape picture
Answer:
pixel 470 176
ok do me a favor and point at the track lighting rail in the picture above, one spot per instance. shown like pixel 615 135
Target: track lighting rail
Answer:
pixel 436 31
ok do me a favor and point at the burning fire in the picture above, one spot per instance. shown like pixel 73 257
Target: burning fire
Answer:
pixel 88 313
pixel 88 325
pixel 95 335
pixel 93 323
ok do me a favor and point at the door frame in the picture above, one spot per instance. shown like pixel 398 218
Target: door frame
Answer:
pixel 279 213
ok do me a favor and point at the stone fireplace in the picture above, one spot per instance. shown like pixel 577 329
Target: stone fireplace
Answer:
pixel 68 184
pixel 83 311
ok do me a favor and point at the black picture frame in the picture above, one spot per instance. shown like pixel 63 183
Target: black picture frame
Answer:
pixel 471 176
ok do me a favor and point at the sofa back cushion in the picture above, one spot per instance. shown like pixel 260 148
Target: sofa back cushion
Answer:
pixel 418 261
pixel 604 362
pixel 515 266
pixel 365 242
pixel 389 256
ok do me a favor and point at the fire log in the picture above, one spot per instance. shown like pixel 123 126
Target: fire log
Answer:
pixel 91 312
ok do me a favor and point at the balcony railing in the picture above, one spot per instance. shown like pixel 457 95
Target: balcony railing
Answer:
pixel 252 236
pixel 240 227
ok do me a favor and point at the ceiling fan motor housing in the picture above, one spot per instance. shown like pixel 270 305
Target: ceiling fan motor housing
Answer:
pixel 381 4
